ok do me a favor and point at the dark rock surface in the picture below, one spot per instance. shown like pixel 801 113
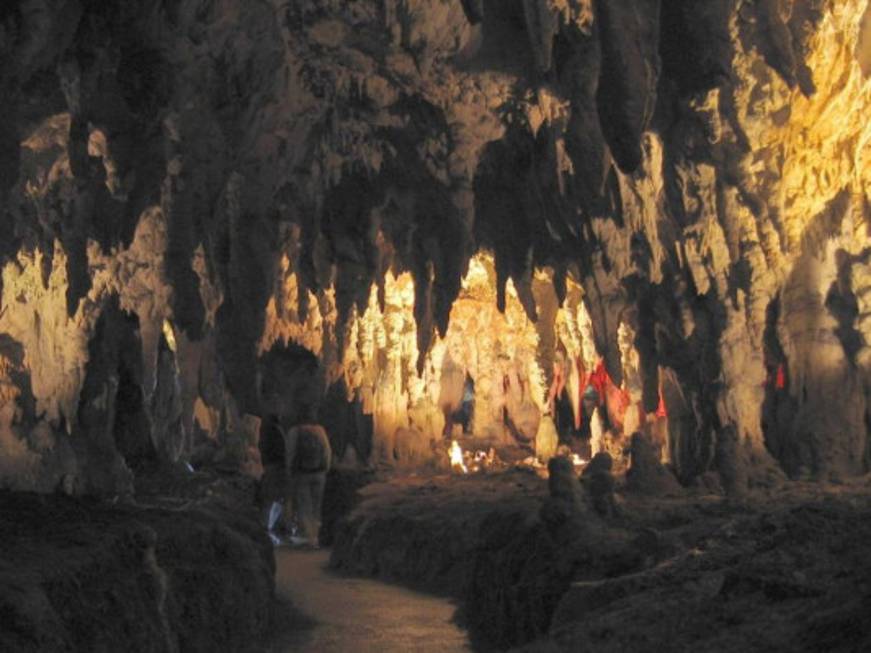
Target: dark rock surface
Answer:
pixel 647 475
pixel 787 577
pixel 600 484
pixel 192 573
pixel 395 534
pixel 341 495
pixel 783 571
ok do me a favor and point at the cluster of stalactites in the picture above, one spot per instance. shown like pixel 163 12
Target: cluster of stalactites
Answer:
pixel 512 363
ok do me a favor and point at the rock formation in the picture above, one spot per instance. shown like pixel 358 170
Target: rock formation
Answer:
pixel 647 476
pixel 599 483
pixel 678 189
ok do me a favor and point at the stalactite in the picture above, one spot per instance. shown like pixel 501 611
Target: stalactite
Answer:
pixel 262 173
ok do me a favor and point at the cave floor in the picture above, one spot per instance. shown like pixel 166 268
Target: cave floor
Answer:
pixel 335 613
pixel 786 569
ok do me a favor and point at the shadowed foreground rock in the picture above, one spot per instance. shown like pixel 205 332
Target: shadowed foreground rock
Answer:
pixel 182 575
pixel 793 578
pixel 647 475
pixel 782 572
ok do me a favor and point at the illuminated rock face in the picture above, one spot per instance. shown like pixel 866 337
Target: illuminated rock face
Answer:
pixel 229 175
pixel 507 357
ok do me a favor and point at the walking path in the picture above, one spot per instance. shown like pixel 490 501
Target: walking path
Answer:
pixel 353 615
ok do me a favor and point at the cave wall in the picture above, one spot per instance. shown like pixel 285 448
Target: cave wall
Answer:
pixel 696 167
pixel 370 372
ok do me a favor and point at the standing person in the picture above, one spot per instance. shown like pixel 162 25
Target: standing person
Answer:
pixel 308 461
pixel 451 385
pixel 274 484
pixel 467 408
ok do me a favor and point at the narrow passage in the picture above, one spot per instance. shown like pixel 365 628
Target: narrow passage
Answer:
pixel 360 615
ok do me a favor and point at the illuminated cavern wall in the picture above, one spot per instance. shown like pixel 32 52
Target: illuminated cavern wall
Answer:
pixel 509 359
pixel 168 171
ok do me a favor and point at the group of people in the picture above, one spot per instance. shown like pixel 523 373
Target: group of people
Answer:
pixel 296 459
pixel 296 455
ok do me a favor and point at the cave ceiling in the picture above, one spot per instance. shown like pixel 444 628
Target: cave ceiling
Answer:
pixel 695 169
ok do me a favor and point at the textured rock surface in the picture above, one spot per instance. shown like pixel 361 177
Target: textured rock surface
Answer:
pixel 790 578
pixel 647 475
pixel 420 531
pixel 782 571
pixel 217 175
pixel 191 574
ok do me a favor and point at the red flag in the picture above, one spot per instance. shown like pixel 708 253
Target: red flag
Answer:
pixel 599 379
pixel 661 410
pixel 780 380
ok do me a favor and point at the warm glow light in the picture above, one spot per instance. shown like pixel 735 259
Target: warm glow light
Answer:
pixel 819 144
pixel 169 335
pixel 482 460
pixel 457 462
pixel 503 354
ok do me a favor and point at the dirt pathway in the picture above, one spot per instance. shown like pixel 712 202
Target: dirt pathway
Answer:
pixel 360 615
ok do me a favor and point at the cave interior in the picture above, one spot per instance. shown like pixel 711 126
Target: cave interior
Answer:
pixel 579 291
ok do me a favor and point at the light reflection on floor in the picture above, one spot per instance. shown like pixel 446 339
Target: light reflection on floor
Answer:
pixel 359 615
